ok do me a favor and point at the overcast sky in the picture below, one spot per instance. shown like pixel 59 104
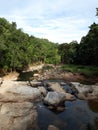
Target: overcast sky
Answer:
pixel 57 20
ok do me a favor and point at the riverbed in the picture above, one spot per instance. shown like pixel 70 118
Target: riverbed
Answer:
pixel 78 115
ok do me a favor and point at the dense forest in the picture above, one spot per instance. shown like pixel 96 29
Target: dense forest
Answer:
pixel 18 49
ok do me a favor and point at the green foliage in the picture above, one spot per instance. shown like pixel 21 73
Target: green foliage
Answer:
pixel 85 70
pixel 68 52
pixel 18 49
pixel 88 49
pixel 85 53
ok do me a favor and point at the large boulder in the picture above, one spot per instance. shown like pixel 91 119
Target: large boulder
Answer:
pixel 17 111
pixel 17 116
pixel 54 98
pixel 85 91
pixel 18 93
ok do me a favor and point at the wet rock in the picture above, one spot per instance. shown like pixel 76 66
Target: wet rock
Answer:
pixel 54 98
pixel 60 108
pixel 57 109
pixel 81 96
pixel 69 97
pixel 52 127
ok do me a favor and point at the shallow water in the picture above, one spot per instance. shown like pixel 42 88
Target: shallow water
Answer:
pixel 78 115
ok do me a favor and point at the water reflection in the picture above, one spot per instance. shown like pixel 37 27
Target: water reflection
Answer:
pixel 78 115
pixel 25 76
pixel 47 117
pixel 96 123
pixel 93 105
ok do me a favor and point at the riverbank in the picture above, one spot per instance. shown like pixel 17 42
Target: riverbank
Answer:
pixel 69 73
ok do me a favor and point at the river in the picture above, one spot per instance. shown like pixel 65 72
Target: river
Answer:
pixel 78 115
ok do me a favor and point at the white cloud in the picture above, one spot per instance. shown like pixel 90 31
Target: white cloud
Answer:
pixel 58 20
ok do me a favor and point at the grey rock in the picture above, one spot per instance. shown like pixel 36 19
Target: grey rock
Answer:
pixel 54 98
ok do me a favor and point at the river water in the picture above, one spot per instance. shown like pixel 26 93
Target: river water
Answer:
pixel 78 115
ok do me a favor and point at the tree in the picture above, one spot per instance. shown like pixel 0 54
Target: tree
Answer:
pixel 18 49
pixel 68 52
pixel 88 50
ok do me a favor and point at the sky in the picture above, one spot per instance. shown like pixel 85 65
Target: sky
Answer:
pixel 59 21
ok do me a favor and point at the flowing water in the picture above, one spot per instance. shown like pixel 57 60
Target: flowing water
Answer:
pixel 78 115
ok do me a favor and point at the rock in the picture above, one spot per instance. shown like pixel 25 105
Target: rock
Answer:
pixel 52 127
pixel 60 109
pixel 1 81
pixel 85 91
pixel 69 97
pixel 36 67
pixel 16 110
pixel 42 91
pixel 11 109
pixel 56 87
pixel 17 116
pixel 52 86
pixel 81 88
pixel 36 75
pixel 57 109
pixel 81 96
pixel 62 83
pixel 34 84
pixel 54 98
pixel 18 93
pixel 73 87
pixel 95 89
